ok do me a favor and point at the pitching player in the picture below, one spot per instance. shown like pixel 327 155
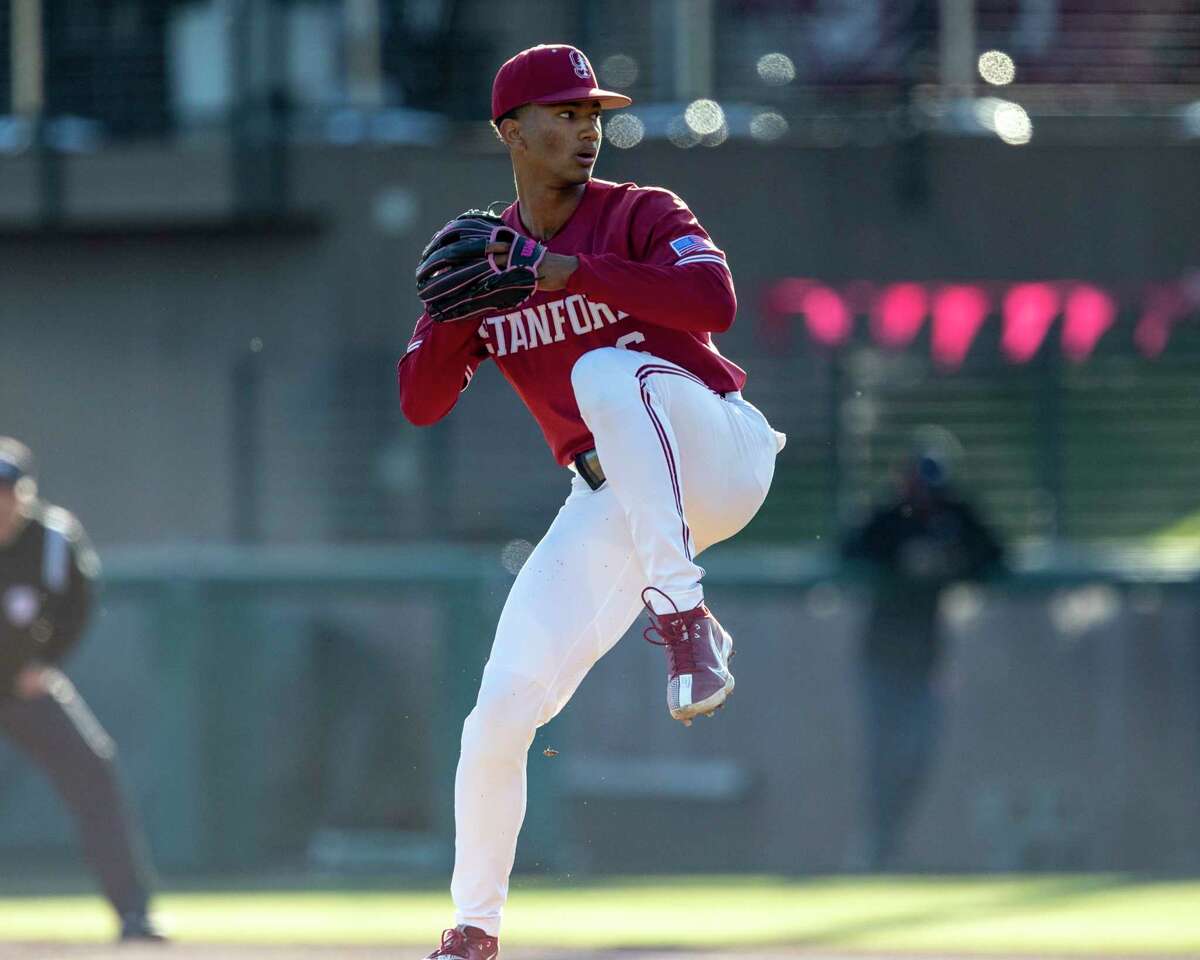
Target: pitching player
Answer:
pixel 46 571
pixel 598 302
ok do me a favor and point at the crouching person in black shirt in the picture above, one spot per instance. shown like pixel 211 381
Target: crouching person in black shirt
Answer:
pixel 47 568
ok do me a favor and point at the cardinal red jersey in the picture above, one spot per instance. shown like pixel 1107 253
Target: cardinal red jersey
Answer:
pixel 649 278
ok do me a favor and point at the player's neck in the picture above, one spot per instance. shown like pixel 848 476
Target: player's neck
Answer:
pixel 545 208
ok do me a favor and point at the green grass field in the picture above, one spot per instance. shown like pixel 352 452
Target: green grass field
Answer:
pixel 1046 914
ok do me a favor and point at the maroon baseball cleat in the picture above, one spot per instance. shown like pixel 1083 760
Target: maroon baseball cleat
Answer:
pixel 466 943
pixel 698 653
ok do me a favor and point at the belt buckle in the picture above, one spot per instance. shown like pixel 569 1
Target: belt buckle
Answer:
pixel 587 464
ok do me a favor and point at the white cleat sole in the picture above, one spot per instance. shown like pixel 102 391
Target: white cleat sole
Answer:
pixel 715 701
pixel 706 707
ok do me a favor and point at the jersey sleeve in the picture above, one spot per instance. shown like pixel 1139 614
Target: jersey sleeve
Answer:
pixel 678 277
pixel 69 570
pixel 438 365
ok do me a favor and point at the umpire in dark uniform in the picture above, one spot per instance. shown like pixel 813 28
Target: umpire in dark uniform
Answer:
pixel 47 569
pixel 927 537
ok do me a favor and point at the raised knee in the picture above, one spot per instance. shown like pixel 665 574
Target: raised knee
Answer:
pixel 595 374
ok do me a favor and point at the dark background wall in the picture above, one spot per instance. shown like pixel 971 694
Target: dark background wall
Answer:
pixel 263 702
pixel 123 323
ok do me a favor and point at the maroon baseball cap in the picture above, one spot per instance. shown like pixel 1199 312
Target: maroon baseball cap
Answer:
pixel 549 73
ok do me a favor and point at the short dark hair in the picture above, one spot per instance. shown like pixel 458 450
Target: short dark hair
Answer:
pixel 509 115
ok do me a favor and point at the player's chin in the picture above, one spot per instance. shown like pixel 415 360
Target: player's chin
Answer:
pixel 578 173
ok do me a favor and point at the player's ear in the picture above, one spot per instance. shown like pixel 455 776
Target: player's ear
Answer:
pixel 509 130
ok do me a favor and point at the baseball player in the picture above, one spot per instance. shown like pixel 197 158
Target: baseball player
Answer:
pixel 46 571
pixel 598 302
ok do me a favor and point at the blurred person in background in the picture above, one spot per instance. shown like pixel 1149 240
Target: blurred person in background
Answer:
pixel 922 540
pixel 47 569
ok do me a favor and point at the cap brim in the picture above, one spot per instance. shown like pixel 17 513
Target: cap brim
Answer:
pixel 608 99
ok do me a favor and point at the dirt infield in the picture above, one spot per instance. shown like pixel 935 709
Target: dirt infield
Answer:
pixel 30 951
pixel 211 951
pixel 178 951
pixel 223 952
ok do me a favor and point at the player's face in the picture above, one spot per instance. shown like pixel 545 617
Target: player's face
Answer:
pixel 562 140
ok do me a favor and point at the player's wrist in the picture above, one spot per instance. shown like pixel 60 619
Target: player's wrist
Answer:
pixel 554 271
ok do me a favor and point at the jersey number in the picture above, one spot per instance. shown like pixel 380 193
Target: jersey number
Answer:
pixel 625 342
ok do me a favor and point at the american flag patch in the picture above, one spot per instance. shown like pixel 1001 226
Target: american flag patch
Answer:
pixel 691 244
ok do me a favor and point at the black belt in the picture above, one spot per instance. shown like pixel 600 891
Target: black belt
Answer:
pixel 587 465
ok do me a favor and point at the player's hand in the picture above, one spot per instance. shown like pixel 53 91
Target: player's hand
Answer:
pixel 33 681
pixel 553 271
pixel 501 253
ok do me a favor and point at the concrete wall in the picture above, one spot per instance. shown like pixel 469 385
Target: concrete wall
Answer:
pixel 1060 751
pixel 121 328
pixel 250 713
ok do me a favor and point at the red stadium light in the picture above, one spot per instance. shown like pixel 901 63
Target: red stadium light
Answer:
pixel 1029 310
pixel 828 318
pixel 1153 330
pixel 899 313
pixel 1152 333
pixel 784 300
pixel 958 313
pixel 1088 314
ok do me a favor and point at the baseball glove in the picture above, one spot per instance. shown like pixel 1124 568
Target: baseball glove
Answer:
pixel 457 279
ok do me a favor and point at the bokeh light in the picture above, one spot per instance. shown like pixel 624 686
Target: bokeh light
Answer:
pixel 1087 316
pixel 824 600
pixel 620 70
pixel 1008 120
pixel 514 555
pixel 395 210
pixel 1028 310
pixel 717 137
pixel 958 312
pixel 997 67
pixel 828 318
pixel 768 126
pixel 1076 611
pixel 680 134
pixel 776 69
pixel 704 117
pixel 1163 308
pixel 1190 118
pixel 624 131
pixel 899 314
pixel 1013 124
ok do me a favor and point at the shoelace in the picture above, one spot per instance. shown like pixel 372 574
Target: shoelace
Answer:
pixel 674 634
pixel 454 944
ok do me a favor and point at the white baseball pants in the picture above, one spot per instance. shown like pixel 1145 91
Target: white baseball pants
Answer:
pixel 686 469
